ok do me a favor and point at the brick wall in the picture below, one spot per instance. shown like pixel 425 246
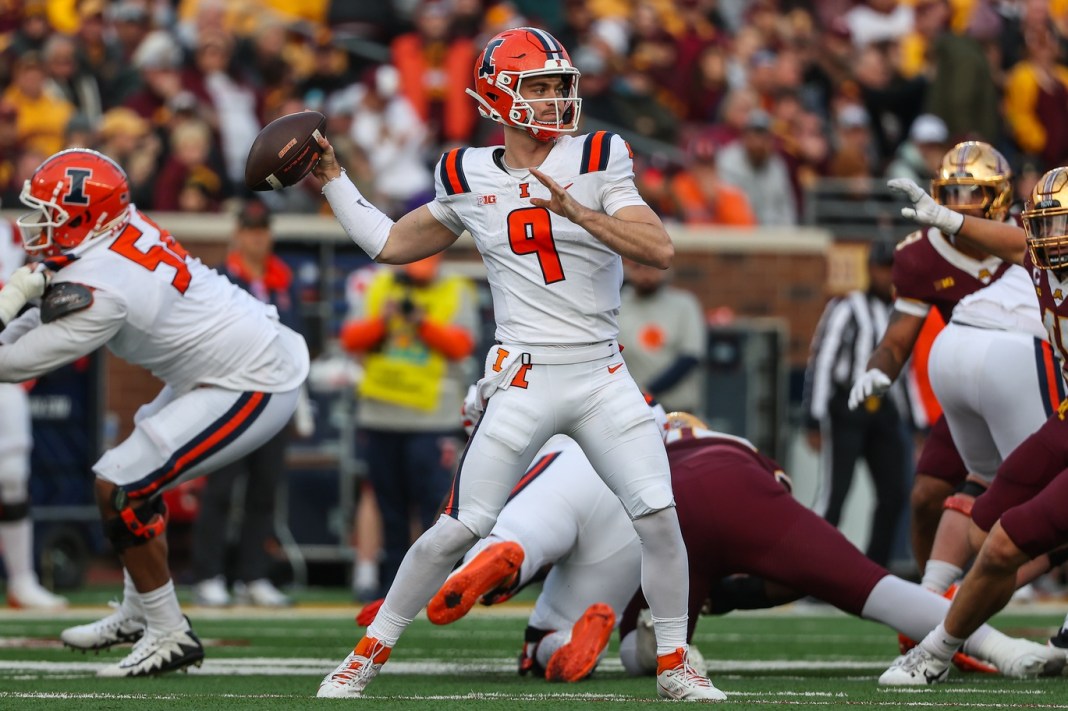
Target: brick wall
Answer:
pixel 765 273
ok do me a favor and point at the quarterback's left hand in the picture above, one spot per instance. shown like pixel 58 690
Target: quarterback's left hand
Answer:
pixel 562 203
pixel 26 283
pixel 925 209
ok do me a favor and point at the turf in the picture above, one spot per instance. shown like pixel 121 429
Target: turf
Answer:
pixel 801 658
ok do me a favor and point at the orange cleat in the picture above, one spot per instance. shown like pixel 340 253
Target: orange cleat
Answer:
pixel 495 566
pixel 589 637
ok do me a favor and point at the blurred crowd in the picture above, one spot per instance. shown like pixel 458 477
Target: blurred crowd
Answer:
pixel 734 107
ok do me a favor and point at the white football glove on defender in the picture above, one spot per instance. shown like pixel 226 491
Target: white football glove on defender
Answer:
pixel 26 283
pixel 874 382
pixel 924 209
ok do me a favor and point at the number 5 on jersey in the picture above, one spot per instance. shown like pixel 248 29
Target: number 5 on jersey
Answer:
pixel 530 231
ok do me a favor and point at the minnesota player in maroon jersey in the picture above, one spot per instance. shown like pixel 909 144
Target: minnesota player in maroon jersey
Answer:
pixel 1021 516
pixel 932 270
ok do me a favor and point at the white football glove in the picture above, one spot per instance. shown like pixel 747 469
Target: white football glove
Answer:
pixel 26 283
pixel 924 209
pixel 874 382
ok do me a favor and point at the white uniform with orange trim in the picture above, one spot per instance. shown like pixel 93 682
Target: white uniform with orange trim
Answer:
pixel 994 372
pixel 15 430
pixel 232 371
pixel 555 288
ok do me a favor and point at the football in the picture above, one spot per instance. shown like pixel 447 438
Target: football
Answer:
pixel 284 151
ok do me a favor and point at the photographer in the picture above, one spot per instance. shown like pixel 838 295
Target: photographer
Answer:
pixel 413 331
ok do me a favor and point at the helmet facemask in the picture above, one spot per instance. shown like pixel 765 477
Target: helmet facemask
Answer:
pixel 38 227
pixel 1045 221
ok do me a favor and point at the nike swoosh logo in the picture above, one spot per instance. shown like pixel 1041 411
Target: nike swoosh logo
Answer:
pixel 364 203
pixel 614 368
pixel 568 186
pixel 930 679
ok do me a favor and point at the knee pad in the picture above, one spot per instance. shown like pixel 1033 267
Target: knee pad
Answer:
pixel 137 522
pixel 11 512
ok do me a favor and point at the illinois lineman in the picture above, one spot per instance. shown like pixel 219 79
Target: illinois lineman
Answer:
pixel 551 215
pixel 231 371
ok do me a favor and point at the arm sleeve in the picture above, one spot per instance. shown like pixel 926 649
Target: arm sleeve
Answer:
pixel 619 190
pixel 52 345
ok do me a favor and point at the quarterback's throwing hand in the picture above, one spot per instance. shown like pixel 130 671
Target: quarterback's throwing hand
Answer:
pixel 562 203
pixel 327 168
pixel 874 383
pixel 924 209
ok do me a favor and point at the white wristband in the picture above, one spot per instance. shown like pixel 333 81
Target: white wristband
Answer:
pixel 364 223
pixel 11 302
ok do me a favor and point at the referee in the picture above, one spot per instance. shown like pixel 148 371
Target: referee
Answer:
pixel 850 327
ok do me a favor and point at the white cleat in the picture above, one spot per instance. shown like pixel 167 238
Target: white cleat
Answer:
pixel 116 628
pixel 1027 659
pixel 917 667
pixel 353 675
pixel 682 682
pixel 261 593
pixel 159 652
pixel 28 594
pixel 211 592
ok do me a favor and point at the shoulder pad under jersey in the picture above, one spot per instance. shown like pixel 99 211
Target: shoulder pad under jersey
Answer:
pixel 64 298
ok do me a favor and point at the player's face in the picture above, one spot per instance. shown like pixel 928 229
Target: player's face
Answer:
pixel 544 94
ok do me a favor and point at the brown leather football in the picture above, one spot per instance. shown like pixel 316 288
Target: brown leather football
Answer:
pixel 284 151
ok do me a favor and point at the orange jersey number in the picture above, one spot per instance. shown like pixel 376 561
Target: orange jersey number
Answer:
pixel 530 231
pixel 168 252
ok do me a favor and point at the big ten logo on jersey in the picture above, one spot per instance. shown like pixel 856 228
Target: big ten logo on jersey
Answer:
pixel 487 199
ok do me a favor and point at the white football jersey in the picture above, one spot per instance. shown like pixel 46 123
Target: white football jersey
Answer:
pixel 156 307
pixel 1006 305
pixel 552 282
pixel 12 256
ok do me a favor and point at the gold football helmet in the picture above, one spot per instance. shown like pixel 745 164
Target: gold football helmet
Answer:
pixel 1045 220
pixel 678 420
pixel 974 176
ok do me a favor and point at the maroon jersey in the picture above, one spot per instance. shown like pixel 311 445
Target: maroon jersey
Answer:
pixel 930 272
pixel 736 517
pixel 1052 297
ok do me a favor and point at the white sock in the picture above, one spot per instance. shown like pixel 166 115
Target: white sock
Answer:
pixel 388 626
pixel 938 575
pixel 16 537
pixel 941 644
pixel 131 599
pixel 549 644
pixel 670 634
pixel 986 643
pixel 161 608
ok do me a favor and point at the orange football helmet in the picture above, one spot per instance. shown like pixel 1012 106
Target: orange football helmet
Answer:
pixel 974 176
pixel 1045 220
pixel 77 194
pixel 514 56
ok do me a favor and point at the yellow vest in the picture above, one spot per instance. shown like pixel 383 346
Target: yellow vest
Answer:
pixel 405 371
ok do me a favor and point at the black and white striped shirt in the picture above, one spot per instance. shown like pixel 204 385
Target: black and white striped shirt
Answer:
pixel 849 329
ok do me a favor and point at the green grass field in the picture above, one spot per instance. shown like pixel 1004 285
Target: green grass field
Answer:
pixel 800 657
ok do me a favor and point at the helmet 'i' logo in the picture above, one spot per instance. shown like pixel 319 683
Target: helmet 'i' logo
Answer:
pixel 486 68
pixel 76 195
